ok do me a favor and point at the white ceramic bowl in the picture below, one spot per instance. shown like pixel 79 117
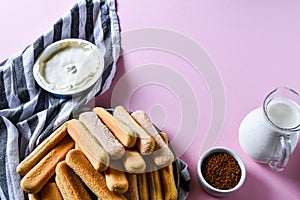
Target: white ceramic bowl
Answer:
pixel 212 190
pixel 69 68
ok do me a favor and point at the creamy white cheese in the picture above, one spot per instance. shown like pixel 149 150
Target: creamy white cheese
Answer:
pixel 70 66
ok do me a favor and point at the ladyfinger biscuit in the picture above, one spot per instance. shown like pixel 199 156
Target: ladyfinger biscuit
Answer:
pixel 145 142
pixel 164 136
pixel 91 177
pixel 143 186
pixel 167 177
pixel 122 132
pixel 162 155
pixel 70 183
pixel 133 192
pixel 50 192
pixel 40 174
pixel 134 162
pixel 42 149
pixel 116 180
pixel 88 144
pixel 168 183
pixel 61 188
pixel 34 197
pixel 107 140
pixel 154 185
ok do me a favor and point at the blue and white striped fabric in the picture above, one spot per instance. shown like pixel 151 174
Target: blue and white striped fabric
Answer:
pixel 28 114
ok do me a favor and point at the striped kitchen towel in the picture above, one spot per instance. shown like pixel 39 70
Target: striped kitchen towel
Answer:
pixel 28 114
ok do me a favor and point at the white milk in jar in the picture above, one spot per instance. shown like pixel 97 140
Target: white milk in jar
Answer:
pixel 284 113
pixel 269 134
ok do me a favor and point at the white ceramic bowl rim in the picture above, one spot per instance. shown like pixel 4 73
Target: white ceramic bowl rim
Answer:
pixel 238 159
pixel 57 46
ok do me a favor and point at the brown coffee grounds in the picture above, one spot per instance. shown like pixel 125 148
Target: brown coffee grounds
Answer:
pixel 221 170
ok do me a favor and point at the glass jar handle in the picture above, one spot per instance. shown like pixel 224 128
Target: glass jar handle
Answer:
pixel 278 164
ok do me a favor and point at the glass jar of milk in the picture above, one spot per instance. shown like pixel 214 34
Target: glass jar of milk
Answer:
pixel 269 134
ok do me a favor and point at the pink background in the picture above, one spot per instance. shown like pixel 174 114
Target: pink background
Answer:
pixel 253 44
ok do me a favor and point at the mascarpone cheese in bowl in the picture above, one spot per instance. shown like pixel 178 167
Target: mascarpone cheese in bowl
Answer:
pixel 69 67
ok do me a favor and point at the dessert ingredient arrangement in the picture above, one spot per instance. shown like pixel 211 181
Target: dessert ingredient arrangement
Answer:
pixel 103 155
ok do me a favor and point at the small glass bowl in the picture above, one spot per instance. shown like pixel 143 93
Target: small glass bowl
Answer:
pixel 215 191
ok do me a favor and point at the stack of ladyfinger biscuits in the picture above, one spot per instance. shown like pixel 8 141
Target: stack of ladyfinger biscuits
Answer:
pixel 101 155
